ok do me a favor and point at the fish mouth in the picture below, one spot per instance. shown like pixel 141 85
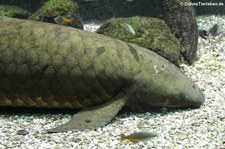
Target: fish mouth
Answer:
pixel 182 102
pixel 170 103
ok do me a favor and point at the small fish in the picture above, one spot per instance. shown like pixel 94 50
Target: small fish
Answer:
pixel 213 30
pixel 127 28
pixel 63 20
pixel 138 136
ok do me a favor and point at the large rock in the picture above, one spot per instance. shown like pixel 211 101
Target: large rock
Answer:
pixel 54 8
pixel 13 11
pixel 151 33
pixel 182 21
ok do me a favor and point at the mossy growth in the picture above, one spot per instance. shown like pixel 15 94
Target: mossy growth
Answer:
pixel 151 33
pixel 176 4
pixel 13 11
pixel 53 8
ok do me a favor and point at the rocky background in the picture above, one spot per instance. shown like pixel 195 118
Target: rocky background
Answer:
pixel 105 9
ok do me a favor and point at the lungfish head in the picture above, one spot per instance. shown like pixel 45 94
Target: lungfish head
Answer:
pixel 167 87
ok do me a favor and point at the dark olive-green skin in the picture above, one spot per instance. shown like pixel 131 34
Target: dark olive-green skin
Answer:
pixel 47 65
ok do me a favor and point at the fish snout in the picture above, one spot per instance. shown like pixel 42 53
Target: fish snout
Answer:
pixel 194 99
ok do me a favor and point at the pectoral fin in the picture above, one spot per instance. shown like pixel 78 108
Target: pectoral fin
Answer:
pixel 93 117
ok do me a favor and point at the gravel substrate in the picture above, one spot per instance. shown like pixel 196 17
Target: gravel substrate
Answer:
pixel 202 128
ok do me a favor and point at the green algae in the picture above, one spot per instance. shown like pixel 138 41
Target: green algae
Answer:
pixel 13 11
pixel 54 8
pixel 151 33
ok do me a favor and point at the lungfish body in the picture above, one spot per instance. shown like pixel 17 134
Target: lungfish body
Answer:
pixel 47 65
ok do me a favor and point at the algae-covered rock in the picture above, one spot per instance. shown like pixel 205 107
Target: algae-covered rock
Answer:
pixel 13 11
pixel 54 8
pixel 151 33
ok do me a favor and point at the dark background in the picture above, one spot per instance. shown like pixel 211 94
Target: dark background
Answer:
pixel 105 9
